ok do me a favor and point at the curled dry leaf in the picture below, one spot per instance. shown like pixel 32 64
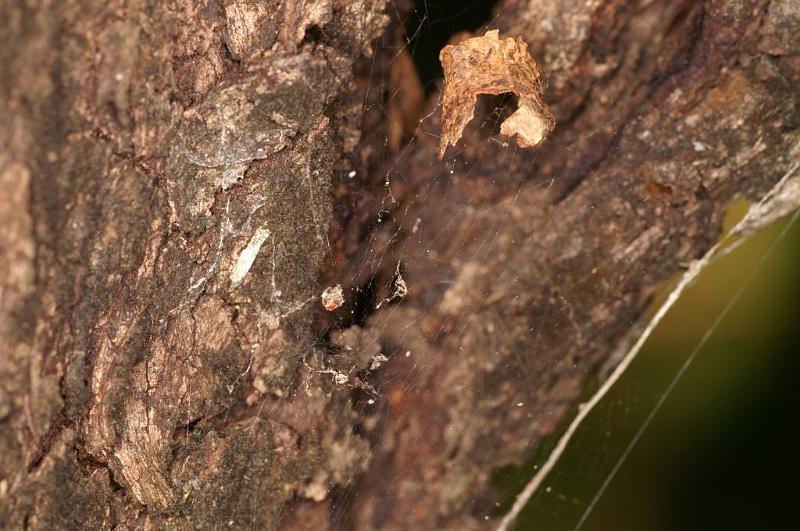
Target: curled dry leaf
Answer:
pixel 490 65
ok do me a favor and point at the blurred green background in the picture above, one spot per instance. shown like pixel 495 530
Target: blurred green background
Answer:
pixel 724 450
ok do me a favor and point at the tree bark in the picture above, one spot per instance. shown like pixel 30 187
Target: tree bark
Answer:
pixel 177 199
pixel 169 166
pixel 527 270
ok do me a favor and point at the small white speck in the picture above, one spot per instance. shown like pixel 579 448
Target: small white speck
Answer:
pixel 548 489
pixel 519 404
pixel 371 401
pixel 352 173
pixel 248 256
pixel 376 361
pixel 699 146
pixel 644 135
pixel 332 297
pixel 408 353
pixel 118 76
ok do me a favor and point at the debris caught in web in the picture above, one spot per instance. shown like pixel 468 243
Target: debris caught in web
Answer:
pixel 491 65
pixel 332 297
pixel 400 288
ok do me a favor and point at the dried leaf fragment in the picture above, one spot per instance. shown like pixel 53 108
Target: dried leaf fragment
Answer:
pixel 490 65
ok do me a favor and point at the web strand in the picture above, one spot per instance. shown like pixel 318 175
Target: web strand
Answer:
pixel 584 409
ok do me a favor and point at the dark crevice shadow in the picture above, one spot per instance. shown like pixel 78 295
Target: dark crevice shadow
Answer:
pixel 432 23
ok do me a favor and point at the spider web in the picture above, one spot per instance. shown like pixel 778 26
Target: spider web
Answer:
pixel 587 459
pixel 635 406
pixel 569 496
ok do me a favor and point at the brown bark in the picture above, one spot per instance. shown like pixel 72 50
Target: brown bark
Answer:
pixel 154 150
pixel 165 360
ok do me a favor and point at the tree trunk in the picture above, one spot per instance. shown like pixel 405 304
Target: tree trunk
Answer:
pixel 177 196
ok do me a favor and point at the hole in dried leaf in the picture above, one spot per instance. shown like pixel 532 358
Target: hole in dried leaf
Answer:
pixel 492 110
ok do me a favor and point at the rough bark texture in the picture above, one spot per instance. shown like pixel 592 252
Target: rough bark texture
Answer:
pixel 149 348
pixel 165 361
